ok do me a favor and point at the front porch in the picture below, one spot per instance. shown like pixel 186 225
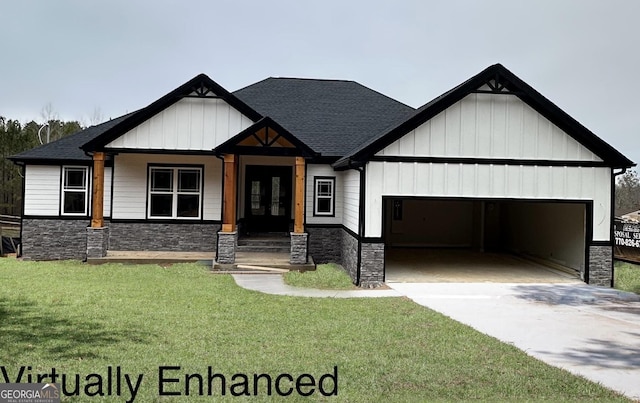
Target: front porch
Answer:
pixel 261 189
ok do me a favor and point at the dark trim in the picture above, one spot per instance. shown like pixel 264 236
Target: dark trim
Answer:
pixel 612 215
pixel 265 151
pixel 361 218
pixel 158 151
pixel 175 166
pixel 372 240
pixel 489 199
pixel 350 232
pixel 24 179
pixel 157 221
pixel 601 243
pixel 325 160
pixel 333 195
pixel 511 83
pixel 136 118
pixel 489 161
pixel 56 217
pixel 327 226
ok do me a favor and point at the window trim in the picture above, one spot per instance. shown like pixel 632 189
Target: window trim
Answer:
pixel 332 181
pixel 86 187
pixel 174 192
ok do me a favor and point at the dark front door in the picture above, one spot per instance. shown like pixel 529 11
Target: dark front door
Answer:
pixel 267 198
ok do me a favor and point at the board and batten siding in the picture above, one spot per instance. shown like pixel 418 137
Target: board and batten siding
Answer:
pixel 488 181
pixel 490 126
pixel 42 190
pixel 314 170
pixel 130 184
pixel 351 204
pixel 189 124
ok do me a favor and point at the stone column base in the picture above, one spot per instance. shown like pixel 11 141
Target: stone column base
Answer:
pixel 371 265
pixel 227 242
pixel 97 242
pixel 299 247
pixel 600 265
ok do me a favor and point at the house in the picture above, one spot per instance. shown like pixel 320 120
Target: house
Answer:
pixel 348 172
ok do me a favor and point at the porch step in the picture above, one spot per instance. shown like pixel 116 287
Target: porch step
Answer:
pixel 261 262
pixel 267 243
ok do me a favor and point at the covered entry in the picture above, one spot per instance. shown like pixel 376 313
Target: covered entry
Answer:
pixel 468 239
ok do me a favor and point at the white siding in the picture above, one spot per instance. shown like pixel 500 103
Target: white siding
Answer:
pixel 351 192
pixel 107 192
pixel 42 190
pixel 189 124
pixel 130 183
pixel 326 171
pixel 490 126
pixel 487 181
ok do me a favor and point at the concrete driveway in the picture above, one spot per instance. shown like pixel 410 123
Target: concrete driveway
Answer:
pixel 589 331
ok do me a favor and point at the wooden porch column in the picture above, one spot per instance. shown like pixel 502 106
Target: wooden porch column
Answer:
pixel 298 218
pixel 97 215
pixel 230 191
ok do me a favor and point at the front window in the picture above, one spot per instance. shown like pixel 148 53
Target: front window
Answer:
pixel 175 192
pixel 75 190
pixel 324 196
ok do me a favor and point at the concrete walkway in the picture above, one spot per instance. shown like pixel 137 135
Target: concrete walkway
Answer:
pixel 274 284
pixel 589 331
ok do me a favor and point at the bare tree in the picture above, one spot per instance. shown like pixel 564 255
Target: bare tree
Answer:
pixel 627 193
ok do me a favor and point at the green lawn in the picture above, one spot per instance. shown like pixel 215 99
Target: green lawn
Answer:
pixel 627 276
pixel 325 276
pixel 81 319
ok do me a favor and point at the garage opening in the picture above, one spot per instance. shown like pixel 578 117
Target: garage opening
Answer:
pixel 484 240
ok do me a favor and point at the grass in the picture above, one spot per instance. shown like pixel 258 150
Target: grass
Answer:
pixel 627 276
pixel 81 319
pixel 325 276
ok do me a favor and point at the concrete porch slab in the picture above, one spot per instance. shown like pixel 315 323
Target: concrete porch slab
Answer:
pixel 153 257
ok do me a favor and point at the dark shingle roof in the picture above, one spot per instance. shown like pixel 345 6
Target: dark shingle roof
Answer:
pixel 330 116
pixel 68 148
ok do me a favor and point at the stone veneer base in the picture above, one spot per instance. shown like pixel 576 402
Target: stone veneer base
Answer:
pixel 54 239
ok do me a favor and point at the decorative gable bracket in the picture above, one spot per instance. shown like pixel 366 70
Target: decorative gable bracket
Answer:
pixel 498 84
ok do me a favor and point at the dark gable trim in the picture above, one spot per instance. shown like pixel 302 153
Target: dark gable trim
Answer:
pixel 489 161
pixel 194 85
pixel 230 146
pixel 509 83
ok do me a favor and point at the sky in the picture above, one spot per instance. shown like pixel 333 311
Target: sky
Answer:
pixel 95 60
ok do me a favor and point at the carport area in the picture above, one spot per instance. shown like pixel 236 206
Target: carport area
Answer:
pixel 474 240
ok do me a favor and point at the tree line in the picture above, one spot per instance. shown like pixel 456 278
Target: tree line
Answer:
pixel 16 138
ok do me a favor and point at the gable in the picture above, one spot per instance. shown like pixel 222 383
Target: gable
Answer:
pixel 492 126
pixel 491 84
pixel 194 123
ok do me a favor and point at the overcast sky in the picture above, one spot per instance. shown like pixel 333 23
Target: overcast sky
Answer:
pixel 117 56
